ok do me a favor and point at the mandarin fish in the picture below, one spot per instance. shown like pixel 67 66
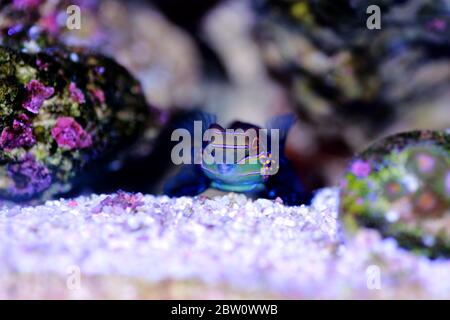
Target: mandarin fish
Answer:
pixel 242 158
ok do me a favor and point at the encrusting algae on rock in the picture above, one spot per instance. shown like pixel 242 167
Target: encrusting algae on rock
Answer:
pixel 60 110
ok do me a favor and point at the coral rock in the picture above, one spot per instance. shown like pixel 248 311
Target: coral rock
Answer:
pixel 62 110
pixel 400 186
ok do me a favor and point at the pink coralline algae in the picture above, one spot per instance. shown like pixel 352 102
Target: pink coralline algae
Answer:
pixel 361 169
pixel 37 93
pixel 50 24
pixel 29 177
pixel 121 199
pixel 69 134
pixel 17 136
pixel 99 95
pixel 76 94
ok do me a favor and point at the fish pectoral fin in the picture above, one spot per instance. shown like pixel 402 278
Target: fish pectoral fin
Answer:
pixel 186 119
pixel 283 123
pixel 189 181
pixel 293 193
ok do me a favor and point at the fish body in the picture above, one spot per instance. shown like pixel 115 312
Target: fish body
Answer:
pixel 241 159
pixel 236 177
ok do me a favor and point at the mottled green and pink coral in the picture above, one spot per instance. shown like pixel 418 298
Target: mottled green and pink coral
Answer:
pixel 60 110
pixel 400 186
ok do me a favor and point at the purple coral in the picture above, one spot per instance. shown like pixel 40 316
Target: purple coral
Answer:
pixel 425 162
pixel 361 169
pixel 20 135
pixel 37 93
pixel 76 94
pixel 29 177
pixel 42 65
pixel 69 134
pixel 122 200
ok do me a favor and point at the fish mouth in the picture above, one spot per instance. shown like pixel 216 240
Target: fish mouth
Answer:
pixel 224 168
pixel 242 187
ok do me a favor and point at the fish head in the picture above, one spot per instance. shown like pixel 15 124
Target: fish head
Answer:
pixel 236 155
